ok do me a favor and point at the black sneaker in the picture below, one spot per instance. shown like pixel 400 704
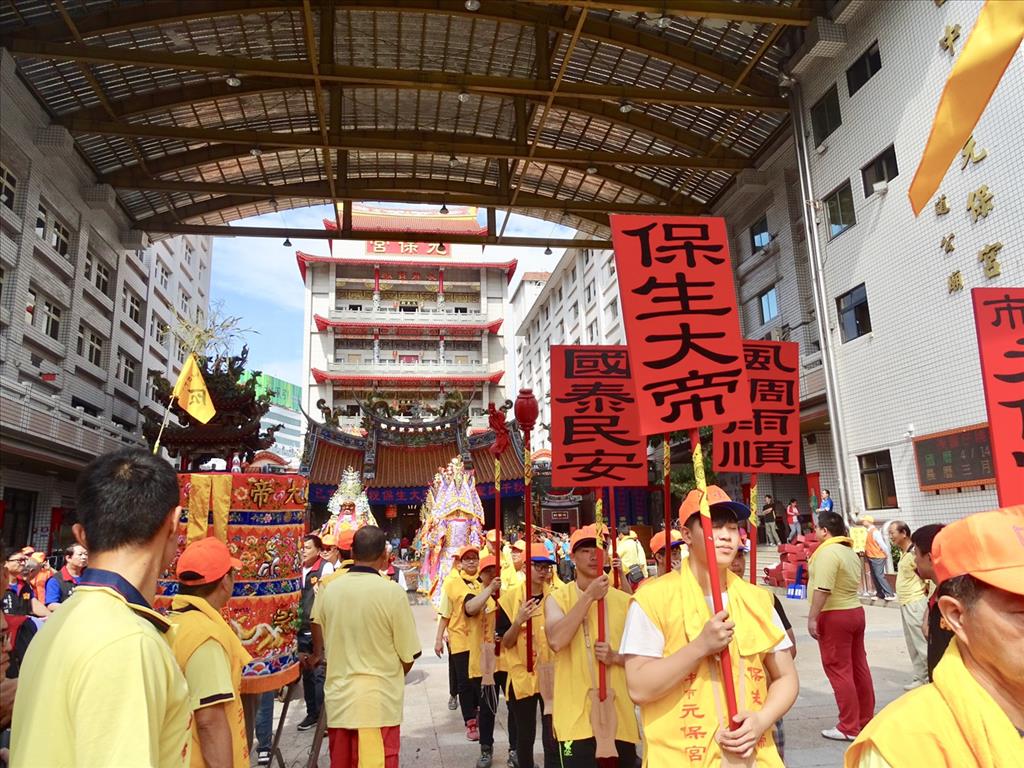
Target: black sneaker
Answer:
pixel 309 722
pixel 486 757
pixel 263 756
pixel 513 761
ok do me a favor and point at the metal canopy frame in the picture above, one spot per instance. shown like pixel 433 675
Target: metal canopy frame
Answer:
pixel 202 112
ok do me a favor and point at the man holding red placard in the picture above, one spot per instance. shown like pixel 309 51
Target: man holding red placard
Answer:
pixel 671 642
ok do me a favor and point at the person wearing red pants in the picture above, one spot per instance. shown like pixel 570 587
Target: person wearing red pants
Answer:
pixel 836 621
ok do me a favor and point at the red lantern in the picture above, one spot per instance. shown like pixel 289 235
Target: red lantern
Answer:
pixel 391 512
pixel 526 409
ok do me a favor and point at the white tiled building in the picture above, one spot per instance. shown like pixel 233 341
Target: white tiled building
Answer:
pixel 81 300
pixel 523 296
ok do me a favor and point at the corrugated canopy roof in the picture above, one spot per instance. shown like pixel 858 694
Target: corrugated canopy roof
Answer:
pixel 204 112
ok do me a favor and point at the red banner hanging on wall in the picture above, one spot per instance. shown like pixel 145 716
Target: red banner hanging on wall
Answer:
pixel 769 441
pixel 679 307
pixel 595 440
pixel 999 319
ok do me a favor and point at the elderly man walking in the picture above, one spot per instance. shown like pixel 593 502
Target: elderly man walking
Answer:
pixel 912 593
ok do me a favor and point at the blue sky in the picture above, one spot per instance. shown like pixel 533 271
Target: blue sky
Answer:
pixel 257 280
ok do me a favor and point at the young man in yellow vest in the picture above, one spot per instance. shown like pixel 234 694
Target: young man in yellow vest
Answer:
pixel 483 610
pixel 122 697
pixel 524 685
pixel 456 623
pixel 570 622
pixel 210 654
pixel 972 715
pixel 672 642
pixel 658 551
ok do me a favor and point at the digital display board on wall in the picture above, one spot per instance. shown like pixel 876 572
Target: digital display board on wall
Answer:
pixel 958 458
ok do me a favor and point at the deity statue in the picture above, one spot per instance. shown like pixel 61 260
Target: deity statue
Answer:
pixel 349 507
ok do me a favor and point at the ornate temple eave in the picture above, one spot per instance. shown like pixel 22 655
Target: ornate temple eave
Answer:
pixel 304 259
pixel 397 327
pixel 321 377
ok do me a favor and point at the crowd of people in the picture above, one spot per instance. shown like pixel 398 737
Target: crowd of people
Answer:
pixel 610 667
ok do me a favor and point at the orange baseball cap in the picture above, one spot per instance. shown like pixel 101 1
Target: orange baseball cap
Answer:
pixel 466 550
pixel 488 561
pixel 328 540
pixel 658 541
pixel 581 535
pixel 39 557
pixel 520 545
pixel 491 535
pixel 539 554
pixel 205 561
pixel 988 545
pixel 345 540
pixel 717 498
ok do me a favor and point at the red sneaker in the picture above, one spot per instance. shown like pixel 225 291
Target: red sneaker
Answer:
pixel 472 734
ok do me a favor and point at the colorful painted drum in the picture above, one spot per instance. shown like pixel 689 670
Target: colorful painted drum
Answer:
pixel 262 520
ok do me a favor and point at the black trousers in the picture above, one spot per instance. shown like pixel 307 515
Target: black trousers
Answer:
pixel 312 680
pixel 468 687
pixel 453 683
pixel 489 711
pixel 582 753
pixel 525 712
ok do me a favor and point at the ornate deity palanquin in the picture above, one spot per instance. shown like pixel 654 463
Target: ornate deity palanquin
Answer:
pixel 261 517
pixel 349 507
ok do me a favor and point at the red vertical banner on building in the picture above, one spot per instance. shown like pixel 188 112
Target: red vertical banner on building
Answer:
pixel 769 441
pixel 595 439
pixel 682 323
pixel 999 319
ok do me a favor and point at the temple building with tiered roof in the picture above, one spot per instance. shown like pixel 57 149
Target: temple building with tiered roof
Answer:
pixel 408 323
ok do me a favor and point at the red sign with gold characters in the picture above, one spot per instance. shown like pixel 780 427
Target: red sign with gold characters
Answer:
pixel 999 319
pixel 769 441
pixel 402 248
pixel 679 306
pixel 595 440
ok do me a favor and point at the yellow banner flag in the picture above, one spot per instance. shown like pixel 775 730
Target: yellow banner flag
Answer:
pixel 979 68
pixel 191 393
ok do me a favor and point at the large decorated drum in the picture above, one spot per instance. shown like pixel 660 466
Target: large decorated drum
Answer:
pixel 261 517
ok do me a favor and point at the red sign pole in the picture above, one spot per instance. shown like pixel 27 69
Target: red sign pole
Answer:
pixel 526 410
pixel 497 538
pixel 716 583
pixel 613 532
pixel 602 671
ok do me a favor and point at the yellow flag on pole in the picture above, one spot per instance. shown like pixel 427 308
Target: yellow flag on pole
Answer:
pixel 979 68
pixel 191 393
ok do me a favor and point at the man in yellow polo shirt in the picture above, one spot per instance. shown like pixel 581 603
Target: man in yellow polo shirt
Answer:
pixel 570 622
pixel 367 628
pixel 836 621
pixel 454 621
pixel 971 716
pixel 99 685
pixel 210 654
pixel 912 594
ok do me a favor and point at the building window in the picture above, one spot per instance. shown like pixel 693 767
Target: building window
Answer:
pixel 51 319
pixel 882 168
pixel 769 302
pixel 572 274
pixel 588 292
pixel 587 255
pixel 41 216
pixel 592 332
pixel 131 305
pixel 825 116
pixel 574 310
pixel 60 238
pixel 181 354
pixel 102 278
pixel 611 267
pixel 163 276
pixel 839 208
pixel 90 345
pixel 864 68
pixel 759 235
pixel 30 307
pixel 8 186
pixel 188 254
pixel 127 369
pixel 183 301
pixel 613 309
pixel 854 318
pixel 558 296
pixel 876 480
pixel 544 313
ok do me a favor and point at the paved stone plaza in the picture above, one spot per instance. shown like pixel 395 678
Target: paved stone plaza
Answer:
pixel 433 736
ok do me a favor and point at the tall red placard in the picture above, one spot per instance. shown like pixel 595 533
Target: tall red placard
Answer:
pixel 595 440
pixel 769 441
pixel 682 323
pixel 999 319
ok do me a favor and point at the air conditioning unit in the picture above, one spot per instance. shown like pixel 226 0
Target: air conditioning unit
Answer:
pixel 880 187
pixel 776 334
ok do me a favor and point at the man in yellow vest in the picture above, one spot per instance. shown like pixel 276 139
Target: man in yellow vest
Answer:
pixel 631 551
pixel 456 623
pixel 515 615
pixel 658 550
pixel 570 622
pixel 99 684
pixel 672 642
pixel 972 715
pixel 210 654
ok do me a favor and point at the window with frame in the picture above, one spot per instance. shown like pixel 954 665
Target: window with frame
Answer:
pixel 8 187
pixel 183 298
pixel 131 304
pixel 89 267
pixel 854 317
pixel 558 295
pixel 163 275
pixel 51 319
pixel 592 332
pixel 825 115
pixel 30 307
pixel 613 309
pixel 759 234
pixel 101 277
pixel 127 368
pixel 60 237
pixel 882 168
pixel 42 215
pixel 545 313
pixel 769 304
pixel 188 254
pixel 876 480
pixel 587 255
pixel 839 210
pixel 574 310
pixel 572 274
pixel 90 345
pixel 180 355
pixel 864 68
pixel 611 267
pixel 588 292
